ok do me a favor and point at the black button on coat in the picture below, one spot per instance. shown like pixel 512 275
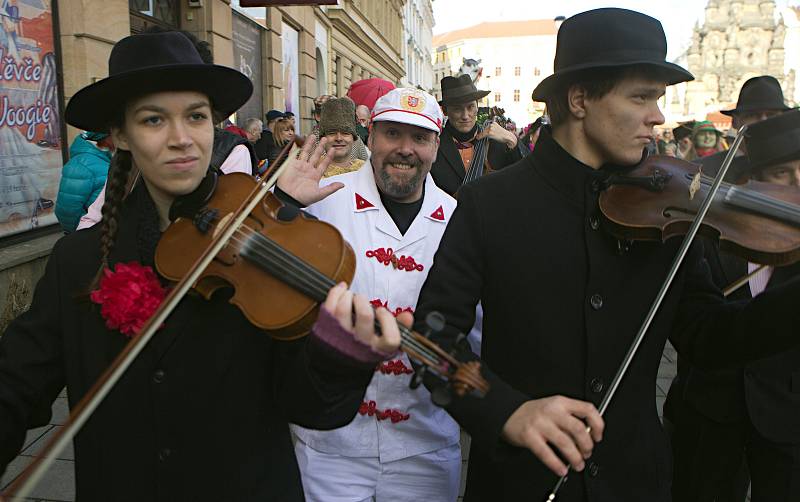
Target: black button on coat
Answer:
pixel 520 242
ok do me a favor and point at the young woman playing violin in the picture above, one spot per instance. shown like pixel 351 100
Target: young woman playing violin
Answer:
pixel 202 413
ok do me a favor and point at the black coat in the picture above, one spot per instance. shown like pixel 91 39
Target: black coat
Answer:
pixel 767 391
pixel 562 300
pixel 448 170
pixel 201 415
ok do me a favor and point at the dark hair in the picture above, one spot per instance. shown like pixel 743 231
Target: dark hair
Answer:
pixel 596 82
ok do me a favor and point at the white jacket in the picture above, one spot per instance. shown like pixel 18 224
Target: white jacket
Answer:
pixel 356 210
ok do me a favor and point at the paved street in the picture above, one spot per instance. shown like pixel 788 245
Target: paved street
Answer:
pixel 59 484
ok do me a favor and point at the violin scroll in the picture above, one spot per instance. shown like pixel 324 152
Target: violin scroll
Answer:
pixel 461 378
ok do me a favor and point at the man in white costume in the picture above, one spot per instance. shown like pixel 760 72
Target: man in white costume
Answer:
pixel 400 446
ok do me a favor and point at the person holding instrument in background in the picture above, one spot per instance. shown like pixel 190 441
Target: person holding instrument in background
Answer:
pixel 202 413
pixel 460 136
pixel 721 418
pixel 563 298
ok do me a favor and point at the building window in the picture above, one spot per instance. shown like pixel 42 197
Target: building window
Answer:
pixel 516 95
pixel 497 97
pixel 145 13
pixel 498 71
pixel 537 72
pixel 517 71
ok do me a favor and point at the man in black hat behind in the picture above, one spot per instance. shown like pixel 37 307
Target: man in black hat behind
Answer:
pixel 760 98
pixel 563 298
pixel 723 418
pixel 457 141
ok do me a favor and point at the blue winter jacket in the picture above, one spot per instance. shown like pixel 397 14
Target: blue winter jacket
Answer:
pixel 82 179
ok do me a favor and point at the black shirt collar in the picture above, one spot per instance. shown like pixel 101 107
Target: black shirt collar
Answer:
pixel 565 173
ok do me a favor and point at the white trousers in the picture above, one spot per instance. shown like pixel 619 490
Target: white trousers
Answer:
pixel 430 477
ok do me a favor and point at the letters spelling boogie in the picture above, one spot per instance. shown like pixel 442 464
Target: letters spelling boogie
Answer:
pixel 22 116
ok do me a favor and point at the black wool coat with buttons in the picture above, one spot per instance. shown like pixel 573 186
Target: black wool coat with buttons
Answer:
pixel 201 415
pixel 562 300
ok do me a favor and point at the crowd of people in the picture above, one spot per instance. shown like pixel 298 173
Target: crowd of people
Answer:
pixel 498 231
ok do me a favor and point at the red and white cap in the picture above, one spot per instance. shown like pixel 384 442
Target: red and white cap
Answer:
pixel 407 105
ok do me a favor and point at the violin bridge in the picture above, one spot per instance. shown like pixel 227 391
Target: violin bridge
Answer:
pixel 694 186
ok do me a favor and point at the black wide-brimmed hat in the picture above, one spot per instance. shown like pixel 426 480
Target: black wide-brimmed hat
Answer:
pixel 609 38
pixel 461 89
pixel 154 62
pixel 774 140
pixel 759 94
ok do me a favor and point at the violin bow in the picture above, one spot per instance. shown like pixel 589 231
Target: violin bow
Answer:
pixel 22 486
pixel 676 263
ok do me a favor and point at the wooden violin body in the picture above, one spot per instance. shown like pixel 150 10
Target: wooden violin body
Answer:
pixel 658 200
pixel 267 301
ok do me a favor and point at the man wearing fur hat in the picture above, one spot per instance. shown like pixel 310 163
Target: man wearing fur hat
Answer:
pixel 400 446
pixel 457 143
pixel 563 298
pixel 337 123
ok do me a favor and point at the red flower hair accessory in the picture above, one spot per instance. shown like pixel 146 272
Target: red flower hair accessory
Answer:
pixel 128 297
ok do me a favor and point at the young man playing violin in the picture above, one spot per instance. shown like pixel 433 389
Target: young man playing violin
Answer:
pixel 400 446
pixel 563 299
pixel 721 418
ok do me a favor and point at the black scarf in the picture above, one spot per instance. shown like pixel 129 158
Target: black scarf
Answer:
pixel 464 137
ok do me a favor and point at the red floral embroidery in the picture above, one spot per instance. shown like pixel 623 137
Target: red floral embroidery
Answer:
pixel 377 303
pixel 371 409
pixel 395 367
pixel 387 256
pixel 128 297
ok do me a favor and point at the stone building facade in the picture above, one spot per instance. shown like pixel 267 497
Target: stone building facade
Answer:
pixel 497 46
pixel 418 47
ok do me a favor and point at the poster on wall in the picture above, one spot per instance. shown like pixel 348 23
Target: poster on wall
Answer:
pixel 30 125
pixel 291 76
pixel 247 59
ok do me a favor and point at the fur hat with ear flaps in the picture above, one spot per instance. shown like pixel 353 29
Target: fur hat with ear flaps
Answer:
pixel 155 62
pixel 338 114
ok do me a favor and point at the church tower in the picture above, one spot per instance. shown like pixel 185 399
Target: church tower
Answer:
pixel 739 39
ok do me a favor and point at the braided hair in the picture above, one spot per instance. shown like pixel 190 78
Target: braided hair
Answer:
pixel 119 174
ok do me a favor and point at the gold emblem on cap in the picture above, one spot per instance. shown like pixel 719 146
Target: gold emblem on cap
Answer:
pixel 412 101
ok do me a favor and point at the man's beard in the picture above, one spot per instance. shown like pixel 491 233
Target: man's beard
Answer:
pixel 399 189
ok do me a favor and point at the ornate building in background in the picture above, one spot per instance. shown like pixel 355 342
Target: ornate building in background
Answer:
pixel 739 39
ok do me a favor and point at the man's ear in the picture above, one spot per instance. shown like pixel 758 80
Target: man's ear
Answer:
pixel 120 139
pixel 576 100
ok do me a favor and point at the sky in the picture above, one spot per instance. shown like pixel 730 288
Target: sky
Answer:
pixel 677 16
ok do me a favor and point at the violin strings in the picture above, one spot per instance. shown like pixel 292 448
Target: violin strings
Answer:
pixel 770 205
pixel 314 280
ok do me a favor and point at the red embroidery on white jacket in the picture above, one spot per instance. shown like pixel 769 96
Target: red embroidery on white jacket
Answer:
pixel 387 256
pixel 394 367
pixel 371 409
pixel 396 312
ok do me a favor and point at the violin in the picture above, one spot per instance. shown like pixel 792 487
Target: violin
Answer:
pixel 660 198
pixel 298 260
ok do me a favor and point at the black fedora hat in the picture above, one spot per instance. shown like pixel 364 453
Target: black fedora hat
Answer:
pixel 609 38
pixel 154 62
pixel 774 140
pixel 461 89
pixel 757 94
